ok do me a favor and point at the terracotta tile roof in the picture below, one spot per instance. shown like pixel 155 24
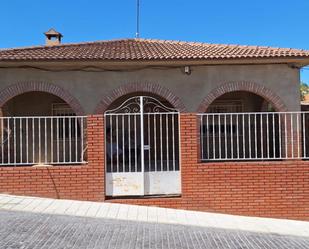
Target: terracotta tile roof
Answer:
pixel 146 49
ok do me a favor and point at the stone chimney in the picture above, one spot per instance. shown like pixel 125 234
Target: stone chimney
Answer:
pixel 53 37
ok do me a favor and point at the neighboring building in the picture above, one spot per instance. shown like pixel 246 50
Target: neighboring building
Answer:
pixel 175 124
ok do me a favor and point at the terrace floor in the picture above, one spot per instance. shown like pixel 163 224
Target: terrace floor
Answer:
pixel 30 222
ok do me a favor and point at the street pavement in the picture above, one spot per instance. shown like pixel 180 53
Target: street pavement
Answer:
pixel 57 225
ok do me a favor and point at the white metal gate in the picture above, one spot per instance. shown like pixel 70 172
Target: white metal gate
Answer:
pixel 142 148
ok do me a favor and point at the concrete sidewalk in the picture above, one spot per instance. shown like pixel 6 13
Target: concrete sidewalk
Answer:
pixel 153 215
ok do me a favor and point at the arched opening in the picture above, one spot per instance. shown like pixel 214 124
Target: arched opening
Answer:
pixel 40 128
pixel 145 88
pixel 241 125
pixel 142 146
pixel 37 104
pixel 239 101
pixel 119 101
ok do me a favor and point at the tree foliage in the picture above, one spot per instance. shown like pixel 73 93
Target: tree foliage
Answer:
pixel 304 90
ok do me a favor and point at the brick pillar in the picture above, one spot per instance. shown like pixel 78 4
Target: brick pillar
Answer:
pixel 95 138
pixel 189 152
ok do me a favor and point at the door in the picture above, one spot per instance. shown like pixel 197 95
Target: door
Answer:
pixel 142 148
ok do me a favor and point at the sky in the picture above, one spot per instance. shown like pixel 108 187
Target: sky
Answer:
pixel 278 23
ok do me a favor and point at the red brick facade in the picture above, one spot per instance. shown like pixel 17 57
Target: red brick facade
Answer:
pixel 271 189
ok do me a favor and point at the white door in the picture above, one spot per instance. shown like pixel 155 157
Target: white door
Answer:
pixel 142 148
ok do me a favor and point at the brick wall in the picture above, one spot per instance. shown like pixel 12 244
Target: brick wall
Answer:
pixel 270 189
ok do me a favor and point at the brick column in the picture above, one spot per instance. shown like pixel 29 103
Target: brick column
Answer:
pixel 95 138
pixel 189 152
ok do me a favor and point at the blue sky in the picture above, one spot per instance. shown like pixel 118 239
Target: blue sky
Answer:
pixel 279 23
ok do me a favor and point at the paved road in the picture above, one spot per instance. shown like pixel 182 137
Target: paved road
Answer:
pixel 33 230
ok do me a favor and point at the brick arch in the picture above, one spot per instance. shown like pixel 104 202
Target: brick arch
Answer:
pixel 252 87
pixel 146 87
pixel 25 87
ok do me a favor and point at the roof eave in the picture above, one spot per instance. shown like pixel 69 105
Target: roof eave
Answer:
pixel 297 61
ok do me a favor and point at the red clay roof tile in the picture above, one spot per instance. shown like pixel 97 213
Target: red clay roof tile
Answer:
pixel 146 49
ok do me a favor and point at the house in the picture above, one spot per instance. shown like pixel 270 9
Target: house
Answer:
pixel 187 125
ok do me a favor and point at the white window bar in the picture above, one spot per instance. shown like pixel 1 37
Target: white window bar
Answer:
pixel 111 143
pixel 225 137
pixel 201 135
pixel 45 140
pixel 275 137
pixel 213 136
pixel 232 136
pixel 22 134
pixel 123 150
pixel 207 134
pixel 161 143
pixel 27 140
pixel 58 142
pixel 255 137
pixel 286 136
pixel 70 139
pixel 167 141
pixel 20 140
pixel 63 139
pixel 262 143
pixel 155 141
pixel 15 151
pixel 273 131
pixel 51 140
pixel 117 143
pixel 304 135
pixel 292 135
pixel 219 137
pixel 249 130
pixel 2 141
pixel 33 141
pixel 40 151
pixel 173 131
pixel 82 137
pixel 142 134
pixel 243 137
pixel 280 135
pixel 298 138
pixel 9 141
pixel 76 139
pixel 237 136
pixel 135 144
pixel 129 138
pixel 149 143
pixel 267 135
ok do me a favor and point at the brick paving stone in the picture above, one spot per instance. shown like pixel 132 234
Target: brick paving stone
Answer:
pixel 24 230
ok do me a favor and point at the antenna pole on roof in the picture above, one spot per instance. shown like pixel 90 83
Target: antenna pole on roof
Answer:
pixel 137 19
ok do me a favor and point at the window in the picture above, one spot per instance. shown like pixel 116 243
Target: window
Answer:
pixel 66 127
pixel 226 106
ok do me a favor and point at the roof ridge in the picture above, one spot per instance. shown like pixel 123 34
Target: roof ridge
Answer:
pixel 67 44
pixel 215 44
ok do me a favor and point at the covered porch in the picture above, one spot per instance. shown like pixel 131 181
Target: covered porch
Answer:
pixel 39 128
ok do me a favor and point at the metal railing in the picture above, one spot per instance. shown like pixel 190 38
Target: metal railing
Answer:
pixel 42 140
pixel 254 136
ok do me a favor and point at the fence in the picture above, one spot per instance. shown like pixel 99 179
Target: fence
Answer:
pixel 254 136
pixel 42 140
